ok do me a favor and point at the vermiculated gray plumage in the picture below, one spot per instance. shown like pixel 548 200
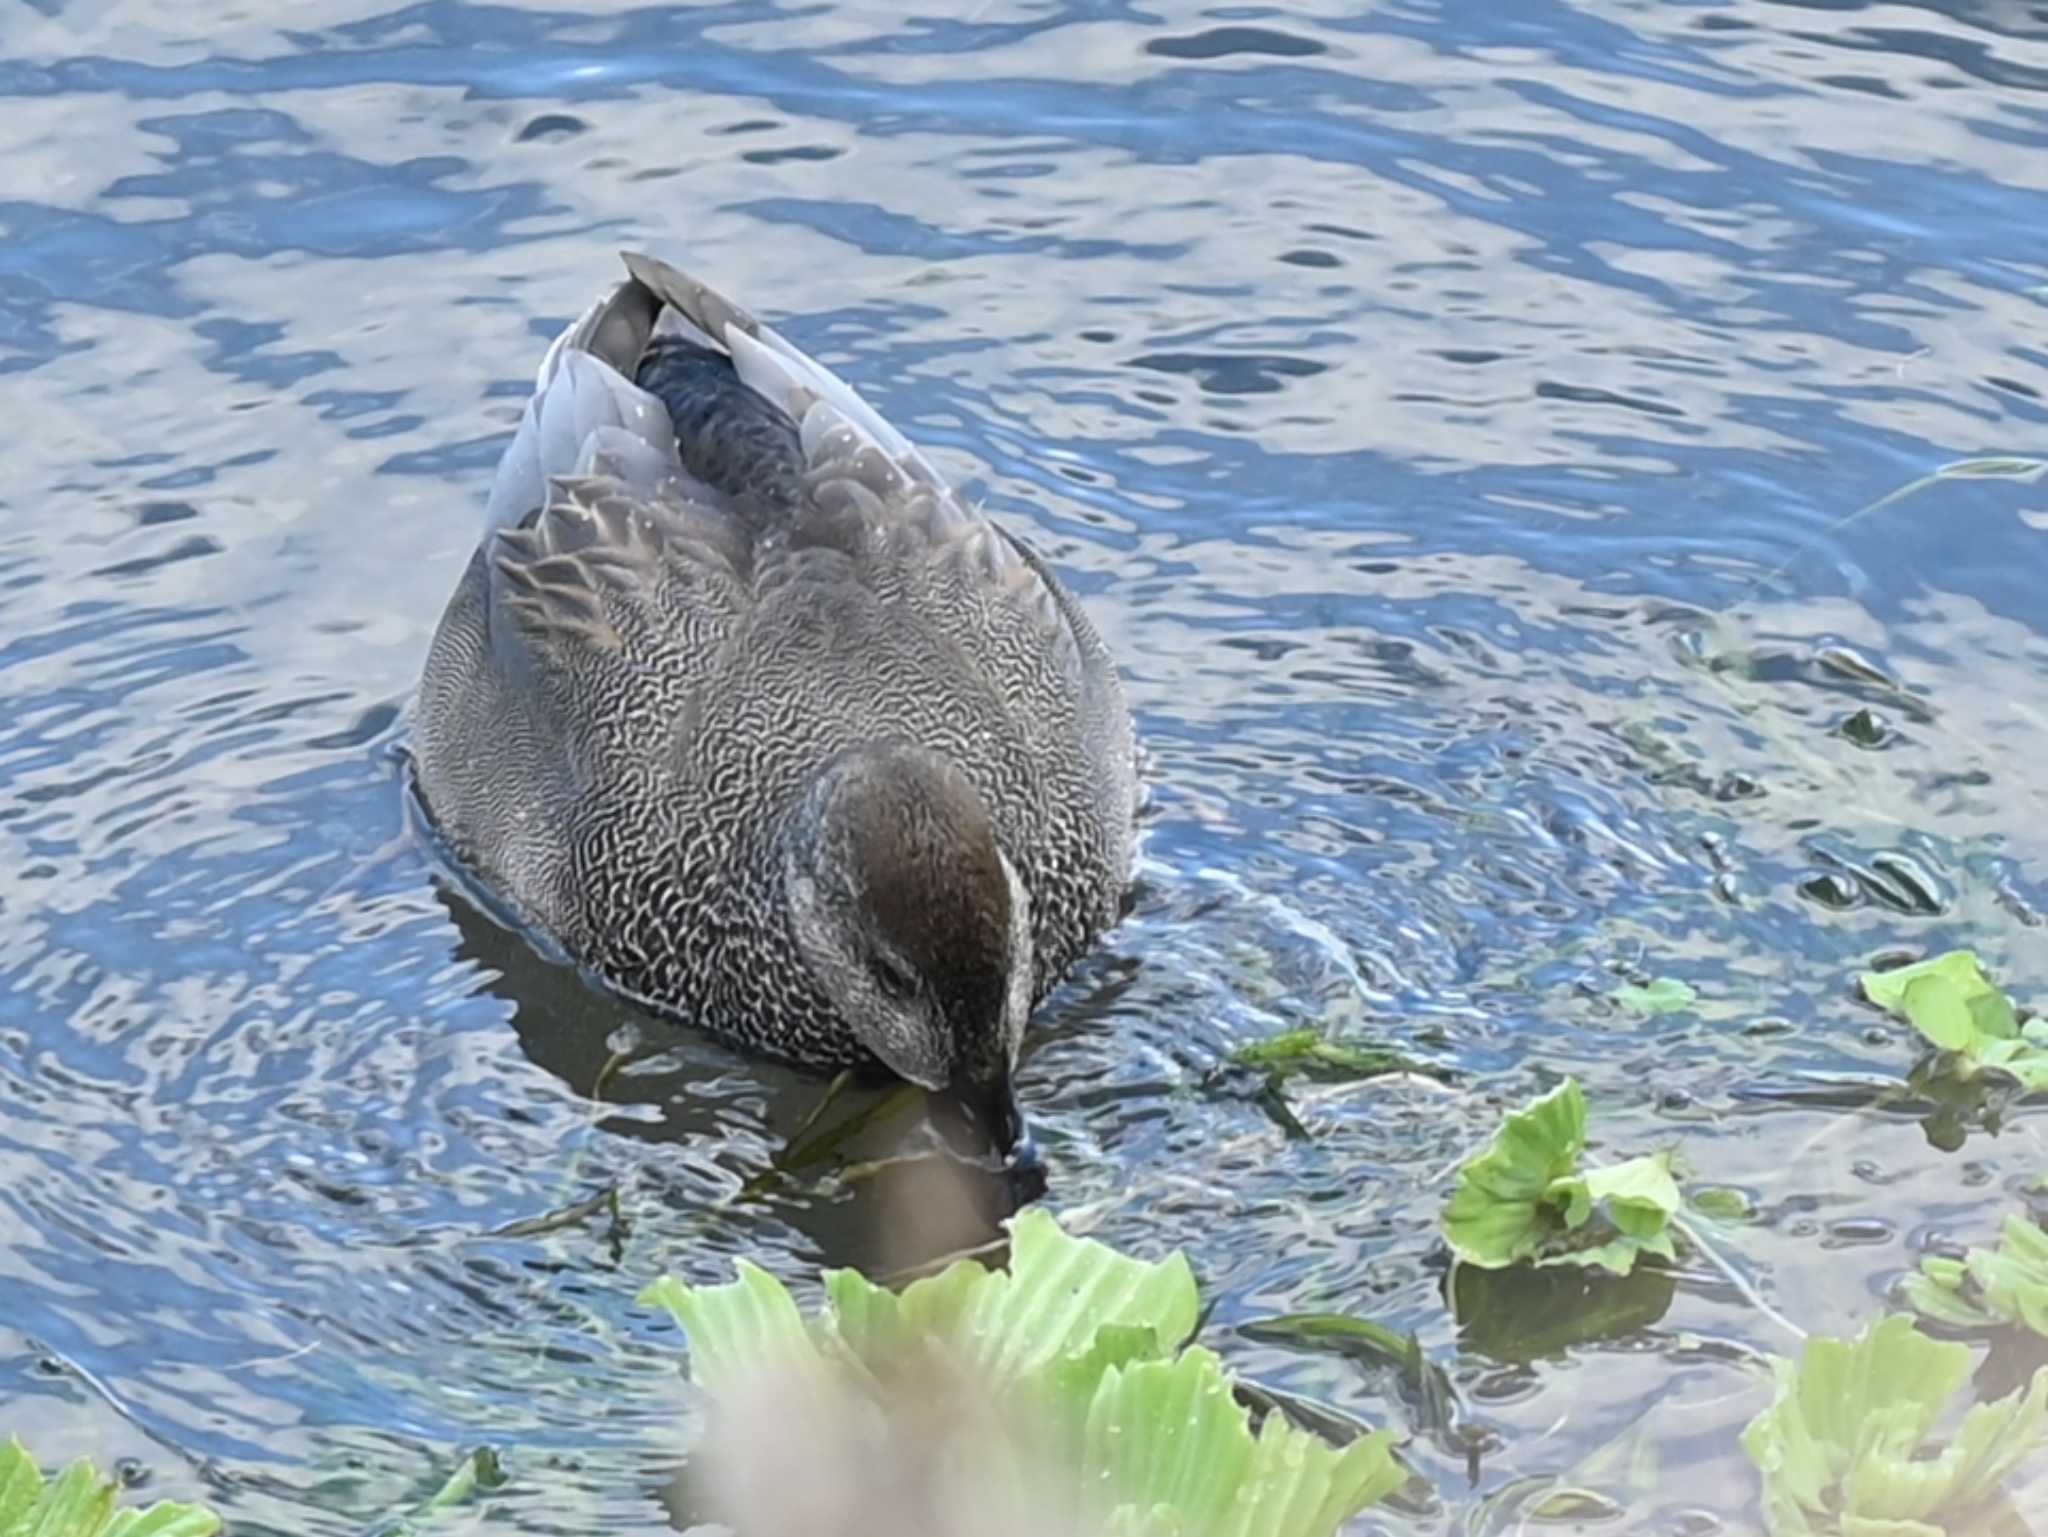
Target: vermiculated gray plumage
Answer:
pixel 718 593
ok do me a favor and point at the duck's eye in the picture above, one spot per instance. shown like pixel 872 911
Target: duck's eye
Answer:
pixel 896 980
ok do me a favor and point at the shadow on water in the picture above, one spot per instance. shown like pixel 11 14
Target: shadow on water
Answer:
pixel 850 1165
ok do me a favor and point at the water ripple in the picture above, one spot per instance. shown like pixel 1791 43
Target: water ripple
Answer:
pixel 1456 416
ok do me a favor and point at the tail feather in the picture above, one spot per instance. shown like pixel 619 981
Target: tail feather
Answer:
pixel 580 390
pixel 771 366
pixel 667 385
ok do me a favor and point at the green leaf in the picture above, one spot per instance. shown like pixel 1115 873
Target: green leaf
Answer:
pixel 1115 1346
pixel 1281 1052
pixel 1842 1445
pixel 1617 1255
pixel 1995 1016
pixel 1995 469
pixel 2006 1285
pixel 1499 1212
pixel 736 1329
pixel 76 1503
pixel 2025 1060
pixel 1169 1437
pixel 1524 1199
pixel 479 1470
pixel 1939 1292
pixel 1080 1349
pixel 870 1317
pixel 1958 1009
pixel 1722 1203
pixel 1058 1292
pixel 163 1519
pixel 1666 995
pixel 1939 1010
pixel 80 1503
pixel 1578 1505
pixel 1305 1053
pixel 1297 1486
pixel 1641 1195
pixel 1353 1336
pixel 1887 989
pixel 20 1485
pixel 1425 1387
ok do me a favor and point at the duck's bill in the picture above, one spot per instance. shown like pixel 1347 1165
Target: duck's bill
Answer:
pixel 983 1123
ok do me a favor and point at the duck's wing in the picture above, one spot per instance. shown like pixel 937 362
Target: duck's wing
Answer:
pixel 587 416
pixel 606 585
pixel 608 571
pixel 871 494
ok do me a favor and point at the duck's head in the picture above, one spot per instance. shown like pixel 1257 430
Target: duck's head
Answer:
pixel 913 922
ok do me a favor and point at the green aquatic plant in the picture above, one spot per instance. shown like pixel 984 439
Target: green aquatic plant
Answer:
pixel 1963 1013
pixel 1525 1200
pixel 1665 995
pixel 80 1502
pixel 478 1473
pixel 1110 1421
pixel 1305 1053
pixel 2001 467
pixel 1424 1387
pixel 1988 1287
pixel 1844 1444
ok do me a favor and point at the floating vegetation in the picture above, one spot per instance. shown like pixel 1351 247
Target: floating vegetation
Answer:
pixel 1307 1054
pixel 1525 1200
pixel 80 1502
pixel 1844 1446
pixel 1963 1015
pixel 1273 1063
pixel 815 1142
pixel 2010 468
pixel 479 1471
pixel 1425 1388
pixel 1060 1395
pixel 2005 1285
pixel 1064 1396
pixel 1666 995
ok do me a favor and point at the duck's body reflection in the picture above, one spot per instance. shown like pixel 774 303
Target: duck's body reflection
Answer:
pixel 883 1200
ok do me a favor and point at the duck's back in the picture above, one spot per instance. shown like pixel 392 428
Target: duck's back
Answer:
pixel 710 569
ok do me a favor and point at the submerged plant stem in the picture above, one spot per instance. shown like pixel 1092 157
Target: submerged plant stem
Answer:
pixel 1735 1277
pixel 2024 471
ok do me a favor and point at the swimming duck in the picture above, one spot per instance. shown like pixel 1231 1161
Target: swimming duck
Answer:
pixel 769 729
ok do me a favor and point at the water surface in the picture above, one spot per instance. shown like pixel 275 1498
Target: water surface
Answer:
pixel 1448 411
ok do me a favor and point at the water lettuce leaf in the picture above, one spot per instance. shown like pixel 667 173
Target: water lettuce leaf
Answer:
pixel 1959 1010
pixel 1842 1445
pixel 1988 1287
pixel 1085 1349
pixel 1499 1215
pixel 1665 995
pixel 746 1325
pixel 1524 1199
pixel 80 1503
pixel 1172 1451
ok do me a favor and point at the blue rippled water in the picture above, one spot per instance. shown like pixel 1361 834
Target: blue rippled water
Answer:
pixel 1455 416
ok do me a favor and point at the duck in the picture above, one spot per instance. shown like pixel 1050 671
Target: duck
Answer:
pixel 744 707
